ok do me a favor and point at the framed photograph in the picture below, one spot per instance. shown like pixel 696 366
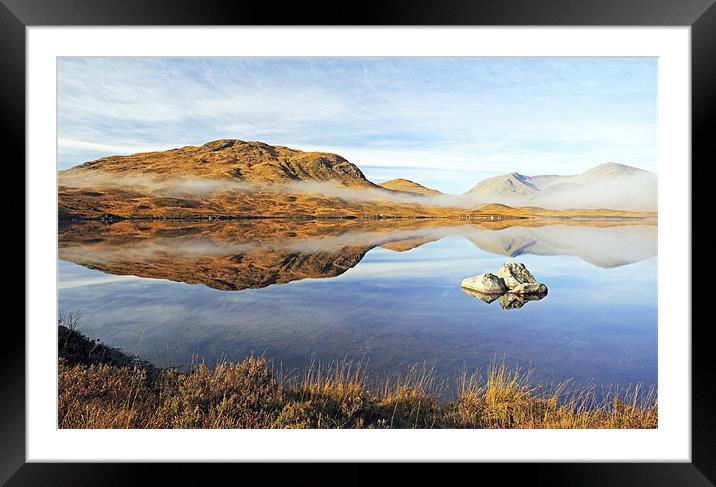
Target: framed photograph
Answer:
pixel 405 233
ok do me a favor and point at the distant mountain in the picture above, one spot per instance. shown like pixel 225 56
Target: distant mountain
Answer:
pixel 509 185
pixel 408 186
pixel 608 185
pixel 231 159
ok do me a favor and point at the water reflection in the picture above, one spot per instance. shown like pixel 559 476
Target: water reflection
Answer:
pixel 507 300
pixel 237 255
pixel 387 291
pixel 515 301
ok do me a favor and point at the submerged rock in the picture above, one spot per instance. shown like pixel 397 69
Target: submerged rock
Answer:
pixel 485 283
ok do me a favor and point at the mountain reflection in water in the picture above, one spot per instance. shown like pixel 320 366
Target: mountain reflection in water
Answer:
pixel 249 254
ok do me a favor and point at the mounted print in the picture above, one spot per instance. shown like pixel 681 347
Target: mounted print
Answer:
pixel 357 242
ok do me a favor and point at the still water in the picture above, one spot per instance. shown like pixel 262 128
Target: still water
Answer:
pixel 383 292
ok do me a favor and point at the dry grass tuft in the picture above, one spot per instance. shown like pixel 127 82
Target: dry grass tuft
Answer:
pixel 249 395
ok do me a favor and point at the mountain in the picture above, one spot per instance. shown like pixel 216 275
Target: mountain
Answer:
pixel 231 178
pixel 230 159
pixel 508 185
pixel 408 186
pixel 608 185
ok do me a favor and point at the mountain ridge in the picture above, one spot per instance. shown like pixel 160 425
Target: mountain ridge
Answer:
pixel 236 160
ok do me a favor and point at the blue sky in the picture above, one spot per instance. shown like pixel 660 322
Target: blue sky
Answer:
pixel 444 122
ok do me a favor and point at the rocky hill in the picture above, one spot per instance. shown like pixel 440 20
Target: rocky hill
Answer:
pixel 230 159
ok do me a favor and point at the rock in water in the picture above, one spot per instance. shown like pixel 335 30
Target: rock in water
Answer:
pixel 485 283
pixel 529 288
pixel 514 274
pixel 513 284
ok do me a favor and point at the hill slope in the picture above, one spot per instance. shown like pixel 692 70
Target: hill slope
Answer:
pixel 231 159
pixel 408 186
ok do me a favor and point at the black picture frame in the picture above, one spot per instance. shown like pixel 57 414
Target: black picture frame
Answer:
pixel 17 15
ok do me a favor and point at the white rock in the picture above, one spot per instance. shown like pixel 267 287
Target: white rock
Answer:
pixel 514 274
pixel 529 288
pixel 485 283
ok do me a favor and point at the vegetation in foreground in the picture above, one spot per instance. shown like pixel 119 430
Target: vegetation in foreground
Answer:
pixel 101 387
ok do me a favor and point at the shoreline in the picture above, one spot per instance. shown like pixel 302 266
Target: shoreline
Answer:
pixel 488 217
pixel 102 387
pixel 109 218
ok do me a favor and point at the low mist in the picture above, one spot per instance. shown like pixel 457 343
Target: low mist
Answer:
pixel 188 187
pixel 634 193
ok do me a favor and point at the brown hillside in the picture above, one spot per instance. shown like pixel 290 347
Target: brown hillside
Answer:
pixel 231 159
pixel 408 186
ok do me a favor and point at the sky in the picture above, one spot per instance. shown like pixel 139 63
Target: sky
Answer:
pixel 446 123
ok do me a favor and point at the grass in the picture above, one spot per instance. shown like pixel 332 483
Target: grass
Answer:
pixel 101 387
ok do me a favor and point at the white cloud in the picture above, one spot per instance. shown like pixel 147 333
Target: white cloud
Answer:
pixel 93 281
pixel 69 145
pixel 484 116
